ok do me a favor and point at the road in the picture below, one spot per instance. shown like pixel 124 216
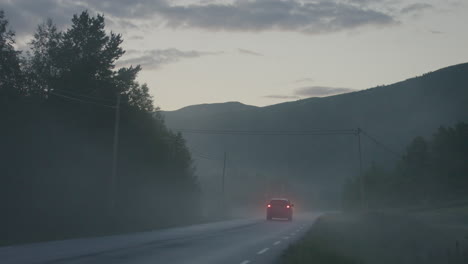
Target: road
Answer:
pixel 254 241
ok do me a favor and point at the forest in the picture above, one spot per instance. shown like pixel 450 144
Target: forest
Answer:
pixel 58 112
pixel 432 172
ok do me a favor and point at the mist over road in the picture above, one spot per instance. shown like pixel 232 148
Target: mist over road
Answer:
pixel 243 241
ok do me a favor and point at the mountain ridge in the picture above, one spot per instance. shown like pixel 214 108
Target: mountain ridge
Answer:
pixel 394 114
pixel 308 99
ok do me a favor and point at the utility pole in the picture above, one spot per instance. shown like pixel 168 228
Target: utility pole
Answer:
pixel 267 188
pixel 361 176
pixel 115 153
pixel 222 187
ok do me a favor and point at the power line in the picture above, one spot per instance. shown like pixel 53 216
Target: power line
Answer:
pixel 98 99
pixel 204 156
pixel 377 142
pixel 270 132
pixel 81 100
pixel 265 131
pixel 84 96
pixel 197 151
pixel 314 132
pixel 194 152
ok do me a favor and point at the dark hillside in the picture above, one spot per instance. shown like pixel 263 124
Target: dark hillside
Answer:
pixel 394 114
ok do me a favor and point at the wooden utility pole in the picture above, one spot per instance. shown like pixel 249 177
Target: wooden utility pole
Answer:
pixel 361 176
pixel 113 179
pixel 222 187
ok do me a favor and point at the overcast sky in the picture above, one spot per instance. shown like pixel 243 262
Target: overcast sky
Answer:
pixel 264 52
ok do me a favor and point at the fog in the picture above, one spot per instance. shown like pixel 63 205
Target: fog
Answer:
pixel 308 169
pixel 91 171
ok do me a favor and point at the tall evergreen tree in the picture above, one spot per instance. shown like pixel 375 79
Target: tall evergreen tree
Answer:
pixel 87 57
pixel 41 67
pixel 10 73
pixel 57 154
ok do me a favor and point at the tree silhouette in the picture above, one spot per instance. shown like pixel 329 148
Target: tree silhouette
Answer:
pixel 41 67
pixel 58 107
pixel 430 172
pixel 10 74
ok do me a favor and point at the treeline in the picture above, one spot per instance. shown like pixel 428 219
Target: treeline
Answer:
pixel 431 172
pixel 57 116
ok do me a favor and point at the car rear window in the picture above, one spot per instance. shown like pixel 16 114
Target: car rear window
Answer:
pixel 278 202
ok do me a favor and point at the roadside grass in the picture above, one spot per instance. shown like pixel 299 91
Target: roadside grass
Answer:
pixel 377 238
pixel 316 247
pixel 446 216
pixel 314 250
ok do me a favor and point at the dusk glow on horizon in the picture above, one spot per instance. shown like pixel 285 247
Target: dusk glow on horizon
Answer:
pixel 262 52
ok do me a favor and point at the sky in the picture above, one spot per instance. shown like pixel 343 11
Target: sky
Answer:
pixel 263 52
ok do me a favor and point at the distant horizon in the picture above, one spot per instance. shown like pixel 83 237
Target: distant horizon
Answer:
pixel 266 52
pixel 305 98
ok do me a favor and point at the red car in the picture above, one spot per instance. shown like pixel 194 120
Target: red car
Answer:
pixel 279 208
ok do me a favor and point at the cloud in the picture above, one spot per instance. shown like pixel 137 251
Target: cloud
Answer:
pixel 304 80
pixel 249 52
pixel 155 59
pixel 319 91
pixel 136 9
pixel 137 37
pixel 436 32
pixel 25 15
pixel 418 7
pixel 311 91
pixel 237 15
pixel 278 96
pixel 261 15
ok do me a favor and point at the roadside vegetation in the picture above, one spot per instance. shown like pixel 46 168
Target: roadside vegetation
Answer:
pixel 416 212
pixel 316 247
pixel 57 112
pixel 431 173
pixel 377 238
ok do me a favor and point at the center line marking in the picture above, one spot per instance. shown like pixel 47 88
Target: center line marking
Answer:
pixel 245 262
pixel 262 251
pixel 276 243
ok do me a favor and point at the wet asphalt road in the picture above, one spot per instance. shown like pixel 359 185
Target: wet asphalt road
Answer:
pixel 255 241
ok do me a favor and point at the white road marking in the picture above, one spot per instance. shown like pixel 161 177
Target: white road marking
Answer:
pixel 276 243
pixel 262 251
pixel 245 262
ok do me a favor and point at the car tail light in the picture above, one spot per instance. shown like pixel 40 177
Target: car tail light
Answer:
pixel 269 205
pixel 287 206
